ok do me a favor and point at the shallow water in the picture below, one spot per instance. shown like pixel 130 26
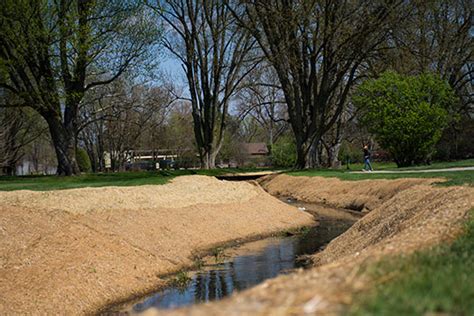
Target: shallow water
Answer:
pixel 266 259
pixel 242 267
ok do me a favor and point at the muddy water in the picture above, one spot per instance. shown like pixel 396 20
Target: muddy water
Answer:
pixel 247 265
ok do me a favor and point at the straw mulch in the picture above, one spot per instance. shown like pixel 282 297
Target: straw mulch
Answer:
pixel 182 192
pixel 364 195
pixel 75 251
pixel 406 217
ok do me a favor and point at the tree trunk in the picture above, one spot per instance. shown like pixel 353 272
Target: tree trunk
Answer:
pixel 313 157
pixel 209 161
pixel 9 170
pixel 64 141
pixel 300 156
pixel 333 155
pixel 307 158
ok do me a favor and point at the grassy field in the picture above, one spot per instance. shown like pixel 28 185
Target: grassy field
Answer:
pixel 393 167
pixel 44 183
pixel 453 178
pixel 435 282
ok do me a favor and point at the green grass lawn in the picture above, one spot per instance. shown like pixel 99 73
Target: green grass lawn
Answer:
pixel 453 178
pixel 44 183
pixel 393 166
pixel 438 281
pixel 441 165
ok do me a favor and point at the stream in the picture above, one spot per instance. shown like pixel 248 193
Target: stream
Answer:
pixel 245 265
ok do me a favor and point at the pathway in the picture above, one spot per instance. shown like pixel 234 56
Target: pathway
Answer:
pixel 419 171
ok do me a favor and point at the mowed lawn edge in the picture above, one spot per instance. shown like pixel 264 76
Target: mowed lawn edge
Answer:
pixel 433 281
pixel 47 183
pixel 465 177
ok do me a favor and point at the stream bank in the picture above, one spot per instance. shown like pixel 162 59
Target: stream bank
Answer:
pixel 75 251
pixel 242 266
pixel 404 216
pixel 68 253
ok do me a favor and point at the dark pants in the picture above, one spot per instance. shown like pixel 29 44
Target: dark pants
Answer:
pixel 367 165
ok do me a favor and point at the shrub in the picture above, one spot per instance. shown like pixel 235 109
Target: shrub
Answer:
pixel 351 152
pixel 407 114
pixel 284 152
pixel 83 160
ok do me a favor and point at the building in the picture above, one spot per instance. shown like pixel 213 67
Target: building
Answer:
pixel 255 154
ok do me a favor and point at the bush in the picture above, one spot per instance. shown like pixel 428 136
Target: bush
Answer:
pixel 284 152
pixel 83 160
pixel 351 152
pixel 407 114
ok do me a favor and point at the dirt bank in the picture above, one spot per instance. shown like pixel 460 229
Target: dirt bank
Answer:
pixel 406 216
pixel 74 251
pixel 183 192
pixel 355 195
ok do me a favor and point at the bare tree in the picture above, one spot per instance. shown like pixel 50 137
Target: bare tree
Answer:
pixel 53 52
pixel 19 127
pixel 262 99
pixel 176 135
pixel 120 116
pixel 204 37
pixel 317 49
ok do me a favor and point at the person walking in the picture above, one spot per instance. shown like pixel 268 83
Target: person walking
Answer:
pixel 367 165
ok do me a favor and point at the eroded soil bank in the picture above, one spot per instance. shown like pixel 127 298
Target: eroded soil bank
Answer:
pixel 403 216
pixel 76 251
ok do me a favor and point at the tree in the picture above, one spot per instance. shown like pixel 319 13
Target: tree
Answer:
pixel 53 52
pixel 123 116
pixel 175 135
pixel 262 107
pixel 406 114
pixel 317 49
pixel 284 152
pixel 205 39
pixel 19 128
pixel 437 37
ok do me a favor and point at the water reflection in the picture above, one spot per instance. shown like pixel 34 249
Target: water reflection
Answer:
pixel 251 264
pixel 265 260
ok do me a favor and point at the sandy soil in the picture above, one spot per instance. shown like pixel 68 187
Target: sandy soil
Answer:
pixel 75 251
pixel 406 216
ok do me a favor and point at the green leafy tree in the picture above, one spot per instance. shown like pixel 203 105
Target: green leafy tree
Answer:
pixel 407 114
pixel 54 52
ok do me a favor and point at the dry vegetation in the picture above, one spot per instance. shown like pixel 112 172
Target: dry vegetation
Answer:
pixel 182 192
pixel 364 195
pixel 75 251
